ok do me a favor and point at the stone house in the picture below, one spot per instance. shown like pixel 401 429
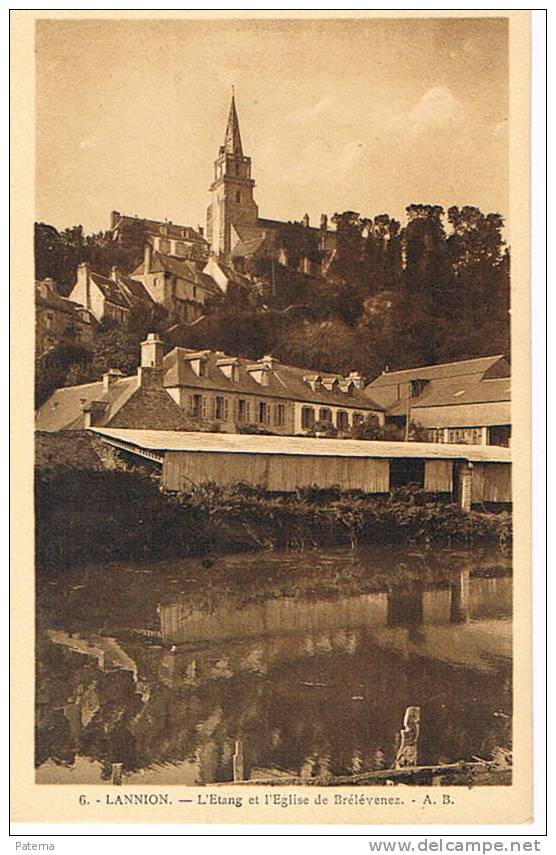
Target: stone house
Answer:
pixel 139 401
pixel 112 298
pixel 165 237
pixel 467 402
pixel 59 320
pixel 178 284
pixel 230 392
pixel 206 390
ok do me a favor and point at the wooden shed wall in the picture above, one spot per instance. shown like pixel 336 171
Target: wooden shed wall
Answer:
pixel 280 473
pixel 438 476
pixel 491 482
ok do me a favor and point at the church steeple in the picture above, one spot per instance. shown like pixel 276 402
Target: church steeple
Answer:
pixel 233 212
pixel 232 140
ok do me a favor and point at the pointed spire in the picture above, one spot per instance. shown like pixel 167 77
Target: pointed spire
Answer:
pixel 232 140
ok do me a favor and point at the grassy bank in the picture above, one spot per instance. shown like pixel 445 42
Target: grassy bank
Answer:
pixel 96 516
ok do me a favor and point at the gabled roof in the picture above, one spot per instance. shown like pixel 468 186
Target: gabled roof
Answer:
pixel 64 409
pixel 251 246
pixel 136 290
pixel 284 381
pixel 164 229
pixel 111 290
pixel 479 366
pixel 459 390
pixel 55 301
pixel 182 268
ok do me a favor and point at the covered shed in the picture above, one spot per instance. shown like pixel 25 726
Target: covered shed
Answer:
pixel 283 464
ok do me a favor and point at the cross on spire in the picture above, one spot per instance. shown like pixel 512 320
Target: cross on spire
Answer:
pixel 232 140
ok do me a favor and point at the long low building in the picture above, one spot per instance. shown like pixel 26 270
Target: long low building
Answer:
pixel 472 475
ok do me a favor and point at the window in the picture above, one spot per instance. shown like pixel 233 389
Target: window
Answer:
pixel 264 413
pixel 416 387
pixel 196 406
pixel 202 368
pixel 358 418
pixel 307 418
pixel 164 245
pixel 181 248
pixel 465 436
pixel 342 420
pixel 242 410
pixel 435 435
pixel 325 415
pixel 49 318
pixel 279 415
pixel 238 197
pixel 194 292
pixel 237 168
pixel 220 408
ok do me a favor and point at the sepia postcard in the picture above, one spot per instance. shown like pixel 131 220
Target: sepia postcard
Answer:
pixel 271 417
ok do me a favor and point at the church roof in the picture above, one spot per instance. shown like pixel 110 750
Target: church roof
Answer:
pixel 232 140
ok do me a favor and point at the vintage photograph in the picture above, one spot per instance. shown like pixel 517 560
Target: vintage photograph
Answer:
pixel 273 427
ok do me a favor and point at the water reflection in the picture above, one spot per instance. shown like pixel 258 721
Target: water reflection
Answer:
pixel 310 676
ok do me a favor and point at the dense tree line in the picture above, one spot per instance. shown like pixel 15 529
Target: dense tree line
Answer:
pixel 434 290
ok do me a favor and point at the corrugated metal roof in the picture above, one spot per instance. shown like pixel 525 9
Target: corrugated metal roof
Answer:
pixel 154 440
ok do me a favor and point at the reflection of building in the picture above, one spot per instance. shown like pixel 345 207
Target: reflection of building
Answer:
pixel 59 320
pixel 459 402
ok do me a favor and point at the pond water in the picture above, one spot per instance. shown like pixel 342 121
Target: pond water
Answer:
pixel 309 658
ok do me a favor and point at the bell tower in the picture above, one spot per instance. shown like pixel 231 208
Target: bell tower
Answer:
pixel 232 190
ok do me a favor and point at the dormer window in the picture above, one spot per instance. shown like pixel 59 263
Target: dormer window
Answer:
pixel 199 366
pixel 230 369
pixel 331 384
pixel 417 387
pixel 163 229
pixel 314 381
pixel 260 374
pixel 238 197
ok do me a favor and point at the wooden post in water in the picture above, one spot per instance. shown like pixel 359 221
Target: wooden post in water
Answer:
pixel 117 769
pixel 409 737
pixel 237 761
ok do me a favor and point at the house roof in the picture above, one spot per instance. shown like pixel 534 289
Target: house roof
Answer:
pixel 136 290
pixel 195 441
pixel 284 381
pixel 458 390
pixel 476 366
pixel 111 290
pixel 64 409
pixel 264 222
pixel 164 229
pixel 182 268
pixel 251 246
pixel 55 301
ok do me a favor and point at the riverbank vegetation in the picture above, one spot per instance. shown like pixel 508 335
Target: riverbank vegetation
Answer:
pixel 95 516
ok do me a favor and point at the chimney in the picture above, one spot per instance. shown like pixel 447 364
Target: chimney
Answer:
pixel 151 370
pixel 201 230
pixel 323 222
pixel 110 377
pixel 114 274
pixel 147 258
pixel 306 221
pixel 115 216
pixel 83 271
pixel 357 379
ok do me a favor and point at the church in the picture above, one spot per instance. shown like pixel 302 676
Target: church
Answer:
pixel 235 230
